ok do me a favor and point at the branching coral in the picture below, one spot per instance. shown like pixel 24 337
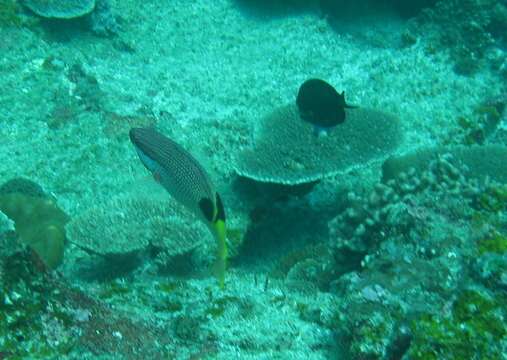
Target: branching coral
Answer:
pixel 396 207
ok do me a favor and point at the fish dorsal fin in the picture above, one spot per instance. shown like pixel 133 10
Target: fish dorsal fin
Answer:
pixel 345 105
pixel 207 208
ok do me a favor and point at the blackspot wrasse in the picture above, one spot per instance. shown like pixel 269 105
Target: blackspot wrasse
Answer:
pixel 186 181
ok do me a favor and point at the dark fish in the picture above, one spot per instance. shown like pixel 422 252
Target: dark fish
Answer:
pixel 186 180
pixel 321 105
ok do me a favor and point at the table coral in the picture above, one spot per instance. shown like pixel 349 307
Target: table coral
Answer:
pixel 286 150
pixel 60 9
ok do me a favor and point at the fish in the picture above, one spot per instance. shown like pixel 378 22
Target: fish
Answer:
pixel 186 180
pixel 321 105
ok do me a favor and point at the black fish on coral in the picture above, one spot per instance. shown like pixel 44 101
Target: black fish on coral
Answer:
pixel 321 105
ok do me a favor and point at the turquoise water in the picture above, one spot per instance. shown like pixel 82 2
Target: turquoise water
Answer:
pixel 381 237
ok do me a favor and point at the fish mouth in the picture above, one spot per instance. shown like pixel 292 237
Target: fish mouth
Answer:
pixel 147 141
pixel 134 136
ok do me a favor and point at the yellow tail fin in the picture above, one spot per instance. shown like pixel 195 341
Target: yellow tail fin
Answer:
pixel 221 261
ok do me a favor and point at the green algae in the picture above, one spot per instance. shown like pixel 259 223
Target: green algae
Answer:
pixel 9 10
pixel 168 306
pixel 473 330
pixel 493 199
pixel 11 16
pixel 114 289
pixel 497 243
pixel 479 310
pixel 372 336
pixel 475 129
pixel 41 317
pixel 219 306
pixel 29 313
pixel 168 287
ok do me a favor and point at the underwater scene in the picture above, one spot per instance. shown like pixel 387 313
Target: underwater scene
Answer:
pixel 253 179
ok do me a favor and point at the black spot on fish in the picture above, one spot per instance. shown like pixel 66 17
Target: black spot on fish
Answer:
pixel 207 208
pixel 132 135
pixel 320 104
pixel 220 209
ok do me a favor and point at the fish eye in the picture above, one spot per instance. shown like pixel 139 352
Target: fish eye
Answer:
pixel 207 208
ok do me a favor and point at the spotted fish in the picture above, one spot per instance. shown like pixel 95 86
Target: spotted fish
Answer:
pixel 186 181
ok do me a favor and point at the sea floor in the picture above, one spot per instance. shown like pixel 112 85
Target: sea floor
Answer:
pixel 205 73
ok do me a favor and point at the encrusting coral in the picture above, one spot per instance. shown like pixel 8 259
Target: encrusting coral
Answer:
pixel 39 222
